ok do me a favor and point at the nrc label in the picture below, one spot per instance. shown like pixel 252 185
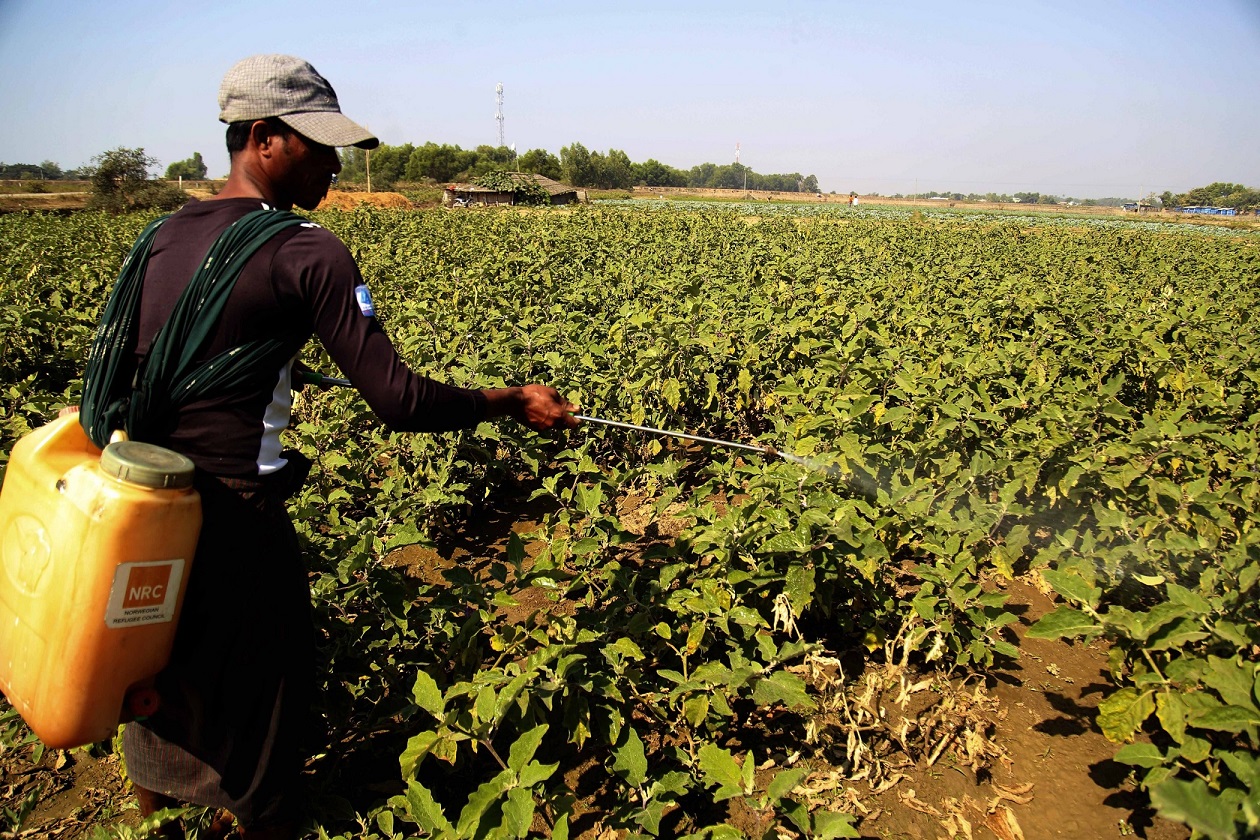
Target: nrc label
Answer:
pixel 144 593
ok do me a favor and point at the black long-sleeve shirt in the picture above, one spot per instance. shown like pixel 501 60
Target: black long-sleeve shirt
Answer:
pixel 302 282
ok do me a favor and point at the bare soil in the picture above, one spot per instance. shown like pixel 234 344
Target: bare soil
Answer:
pixel 345 200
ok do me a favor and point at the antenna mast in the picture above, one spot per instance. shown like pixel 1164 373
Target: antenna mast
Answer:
pixel 498 111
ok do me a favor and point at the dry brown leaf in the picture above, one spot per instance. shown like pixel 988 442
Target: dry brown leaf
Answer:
pixel 1019 794
pixel 1003 823
pixel 888 783
pixel 955 823
pixel 908 800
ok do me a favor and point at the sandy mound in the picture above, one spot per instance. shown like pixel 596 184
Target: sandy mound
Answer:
pixel 339 200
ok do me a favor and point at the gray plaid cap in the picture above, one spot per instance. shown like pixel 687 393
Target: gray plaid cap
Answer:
pixel 283 86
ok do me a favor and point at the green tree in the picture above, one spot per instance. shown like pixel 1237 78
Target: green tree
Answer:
pixel 353 165
pixel 440 163
pixel 30 171
pixel 653 173
pixel 194 169
pixel 120 182
pixel 575 165
pixel 541 162
pixel 488 159
pixel 1216 194
pixel 612 171
pixel 388 164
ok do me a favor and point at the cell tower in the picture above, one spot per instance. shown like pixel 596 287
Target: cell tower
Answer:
pixel 498 110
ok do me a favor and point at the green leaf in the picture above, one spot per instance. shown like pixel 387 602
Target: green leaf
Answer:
pixel 522 751
pixel 626 648
pixel 1140 755
pixel 1172 712
pixel 798 814
pixel 784 783
pixel 1073 587
pixel 799 586
pixel 560 831
pixel 515 549
pixel 1192 600
pixel 696 709
pixel 418 746
pixel 518 811
pixel 486 794
pixel 1195 750
pixel 787 542
pixel 630 759
pixel 1193 804
pixel 1231 679
pixel 695 635
pixel 1122 714
pixel 1227 719
pixel 829 825
pixel 1243 765
pixel 782 687
pixel 1180 632
pixel 650 816
pixel 428 696
pixel 1063 622
pixel 589 499
pixel 484 705
pixel 509 694
pixel 535 773
pixel 424 809
pixel 720 769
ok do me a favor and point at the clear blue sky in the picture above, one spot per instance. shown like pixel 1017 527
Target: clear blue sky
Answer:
pixel 1090 99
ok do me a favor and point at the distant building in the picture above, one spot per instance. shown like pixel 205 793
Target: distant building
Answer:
pixel 1209 211
pixel 462 195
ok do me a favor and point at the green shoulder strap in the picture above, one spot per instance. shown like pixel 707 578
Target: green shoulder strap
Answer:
pixel 169 376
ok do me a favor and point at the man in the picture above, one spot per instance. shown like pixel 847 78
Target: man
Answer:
pixel 235 696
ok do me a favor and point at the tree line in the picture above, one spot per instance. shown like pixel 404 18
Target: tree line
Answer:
pixel 576 165
pixel 1019 198
pixel 193 168
pixel 1217 194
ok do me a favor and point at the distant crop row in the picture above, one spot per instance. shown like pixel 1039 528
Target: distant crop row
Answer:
pixel 990 397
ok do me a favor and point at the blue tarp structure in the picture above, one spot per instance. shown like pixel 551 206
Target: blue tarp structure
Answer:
pixel 1209 211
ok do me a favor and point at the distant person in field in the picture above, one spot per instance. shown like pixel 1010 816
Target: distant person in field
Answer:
pixel 235 698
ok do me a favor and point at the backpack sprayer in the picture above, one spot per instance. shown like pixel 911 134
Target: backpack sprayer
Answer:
pixel 310 377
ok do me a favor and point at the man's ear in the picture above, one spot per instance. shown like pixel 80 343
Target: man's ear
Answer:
pixel 262 136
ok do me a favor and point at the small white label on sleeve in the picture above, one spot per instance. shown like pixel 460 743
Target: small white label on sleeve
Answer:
pixel 364 299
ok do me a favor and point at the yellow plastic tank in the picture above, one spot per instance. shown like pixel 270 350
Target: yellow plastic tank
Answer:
pixel 95 552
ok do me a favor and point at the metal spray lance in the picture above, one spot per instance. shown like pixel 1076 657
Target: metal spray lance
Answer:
pixel 310 377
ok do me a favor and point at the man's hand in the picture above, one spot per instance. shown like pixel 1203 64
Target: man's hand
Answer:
pixel 538 406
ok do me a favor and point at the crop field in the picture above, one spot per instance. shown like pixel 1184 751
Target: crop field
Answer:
pixel 1012 443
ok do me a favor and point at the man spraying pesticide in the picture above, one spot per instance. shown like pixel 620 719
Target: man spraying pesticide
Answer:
pixel 202 367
